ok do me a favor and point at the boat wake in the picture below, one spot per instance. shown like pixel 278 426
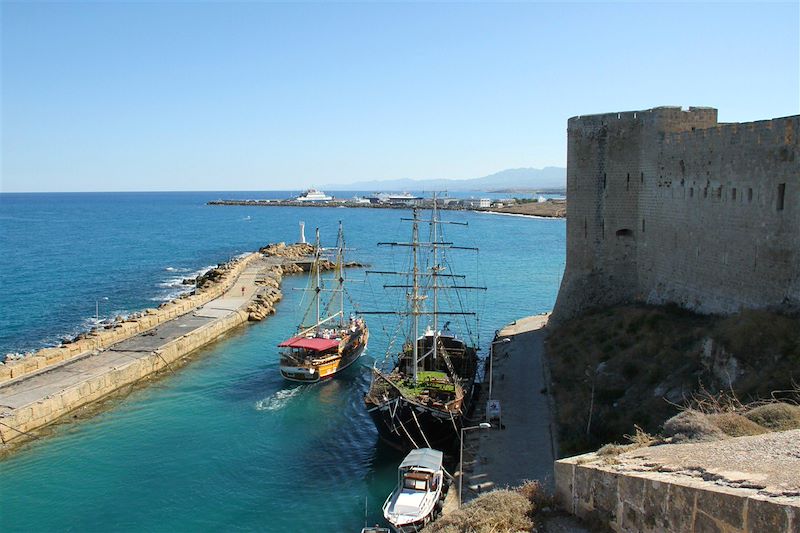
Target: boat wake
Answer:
pixel 278 400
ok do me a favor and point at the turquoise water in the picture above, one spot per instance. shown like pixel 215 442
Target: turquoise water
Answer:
pixel 224 443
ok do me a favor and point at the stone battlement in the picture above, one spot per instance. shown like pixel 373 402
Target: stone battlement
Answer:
pixel 668 205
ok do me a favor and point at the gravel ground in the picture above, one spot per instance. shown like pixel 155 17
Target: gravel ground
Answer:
pixel 769 462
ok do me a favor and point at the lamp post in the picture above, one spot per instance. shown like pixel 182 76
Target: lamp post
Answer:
pixel 504 340
pixel 482 425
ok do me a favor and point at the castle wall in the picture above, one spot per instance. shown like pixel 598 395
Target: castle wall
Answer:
pixel 666 205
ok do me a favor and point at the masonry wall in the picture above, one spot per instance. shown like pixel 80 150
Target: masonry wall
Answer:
pixel 20 422
pixel 650 502
pixel 667 205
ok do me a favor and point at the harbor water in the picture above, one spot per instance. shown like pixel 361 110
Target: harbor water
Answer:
pixel 224 443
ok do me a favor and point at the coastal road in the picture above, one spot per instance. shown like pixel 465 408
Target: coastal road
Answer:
pixel 32 388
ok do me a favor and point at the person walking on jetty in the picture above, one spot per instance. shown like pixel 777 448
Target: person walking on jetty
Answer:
pixel 242 291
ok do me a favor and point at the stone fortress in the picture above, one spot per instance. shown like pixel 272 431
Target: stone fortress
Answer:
pixel 669 206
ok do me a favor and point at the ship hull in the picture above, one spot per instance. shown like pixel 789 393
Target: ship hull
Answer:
pixel 314 373
pixel 405 425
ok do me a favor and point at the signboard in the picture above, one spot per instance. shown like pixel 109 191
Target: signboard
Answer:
pixel 493 409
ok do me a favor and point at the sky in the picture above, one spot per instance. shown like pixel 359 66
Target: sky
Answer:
pixel 170 96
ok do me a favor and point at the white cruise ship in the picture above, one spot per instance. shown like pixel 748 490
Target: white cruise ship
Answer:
pixel 313 195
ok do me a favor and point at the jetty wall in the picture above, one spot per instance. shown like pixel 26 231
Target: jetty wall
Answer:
pixel 44 412
pixel 667 205
pixel 100 339
pixel 40 396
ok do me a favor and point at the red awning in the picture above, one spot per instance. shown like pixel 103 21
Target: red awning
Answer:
pixel 316 344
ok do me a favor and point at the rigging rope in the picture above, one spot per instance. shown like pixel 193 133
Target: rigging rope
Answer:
pixel 407 433
pixel 414 414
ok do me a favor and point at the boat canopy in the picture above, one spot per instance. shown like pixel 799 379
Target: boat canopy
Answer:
pixel 425 458
pixel 310 343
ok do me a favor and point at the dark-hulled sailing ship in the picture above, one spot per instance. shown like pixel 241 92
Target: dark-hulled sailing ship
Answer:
pixel 332 343
pixel 423 400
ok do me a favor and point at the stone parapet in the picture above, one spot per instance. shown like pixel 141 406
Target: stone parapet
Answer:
pixel 16 424
pixel 631 501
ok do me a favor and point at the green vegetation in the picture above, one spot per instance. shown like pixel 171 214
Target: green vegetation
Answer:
pixel 639 365
pixel 526 200
pixel 426 380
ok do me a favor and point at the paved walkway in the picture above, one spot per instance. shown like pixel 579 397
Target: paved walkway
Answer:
pixel 34 387
pixel 522 449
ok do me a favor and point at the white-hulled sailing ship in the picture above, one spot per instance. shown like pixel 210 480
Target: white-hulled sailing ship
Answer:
pixel 331 343
pixel 423 400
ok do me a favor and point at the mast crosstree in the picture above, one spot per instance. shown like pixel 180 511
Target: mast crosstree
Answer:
pixel 429 389
pixel 436 245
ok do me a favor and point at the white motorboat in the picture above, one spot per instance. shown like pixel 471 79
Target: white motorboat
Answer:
pixel 418 495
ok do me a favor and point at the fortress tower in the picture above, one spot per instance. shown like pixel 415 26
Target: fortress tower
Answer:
pixel 667 205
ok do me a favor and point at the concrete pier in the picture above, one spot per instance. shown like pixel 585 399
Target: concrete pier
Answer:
pixel 522 448
pixel 34 396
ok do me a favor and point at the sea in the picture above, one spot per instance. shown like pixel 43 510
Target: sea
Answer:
pixel 225 444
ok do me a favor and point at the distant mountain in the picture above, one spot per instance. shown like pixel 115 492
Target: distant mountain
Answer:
pixel 514 178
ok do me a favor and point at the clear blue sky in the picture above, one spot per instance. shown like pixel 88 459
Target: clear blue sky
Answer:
pixel 256 96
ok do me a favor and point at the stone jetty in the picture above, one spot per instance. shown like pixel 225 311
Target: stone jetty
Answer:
pixel 546 209
pixel 44 387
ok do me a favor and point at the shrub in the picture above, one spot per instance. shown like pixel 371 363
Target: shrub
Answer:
pixel 499 510
pixel 692 426
pixel 735 425
pixel 776 416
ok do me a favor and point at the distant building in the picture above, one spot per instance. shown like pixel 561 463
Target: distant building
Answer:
pixel 394 198
pixel 475 203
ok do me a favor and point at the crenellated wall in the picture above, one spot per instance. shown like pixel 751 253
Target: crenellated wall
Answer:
pixel 667 205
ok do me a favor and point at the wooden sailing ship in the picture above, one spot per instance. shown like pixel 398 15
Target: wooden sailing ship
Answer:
pixel 423 399
pixel 331 344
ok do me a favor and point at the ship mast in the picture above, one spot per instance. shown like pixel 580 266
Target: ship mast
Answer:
pixel 340 272
pixel 318 288
pixel 434 271
pixel 415 294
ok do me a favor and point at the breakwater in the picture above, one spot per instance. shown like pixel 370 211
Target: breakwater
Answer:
pixel 40 389
pixel 547 209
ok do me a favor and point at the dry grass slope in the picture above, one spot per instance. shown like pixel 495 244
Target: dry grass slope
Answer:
pixel 506 510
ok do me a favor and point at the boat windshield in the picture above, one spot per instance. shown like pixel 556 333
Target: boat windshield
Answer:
pixel 415 482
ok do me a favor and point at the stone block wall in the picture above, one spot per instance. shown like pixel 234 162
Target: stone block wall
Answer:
pixel 47 410
pixel 648 502
pixel 667 205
